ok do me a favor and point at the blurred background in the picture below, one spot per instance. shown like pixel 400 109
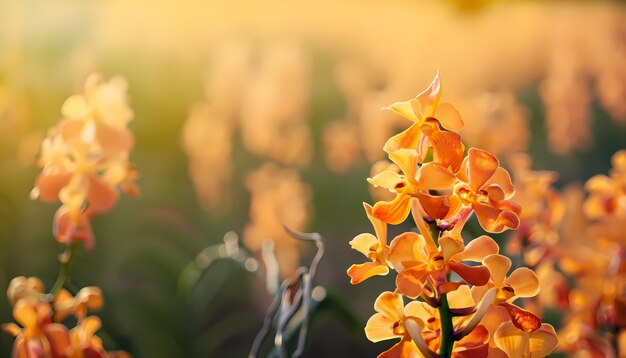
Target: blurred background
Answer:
pixel 250 115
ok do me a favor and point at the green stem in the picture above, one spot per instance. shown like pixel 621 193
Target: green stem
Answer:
pixel 66 259
pixel 447 339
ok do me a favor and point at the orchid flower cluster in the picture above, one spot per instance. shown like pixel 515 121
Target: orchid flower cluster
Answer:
pixel 577 247
pixel 84 162
pixel 461 294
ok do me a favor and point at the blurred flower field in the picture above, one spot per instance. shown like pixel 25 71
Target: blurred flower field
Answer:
pixel 400 178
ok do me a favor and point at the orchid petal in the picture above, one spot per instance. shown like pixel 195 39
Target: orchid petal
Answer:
pixel 449 117
pixel 476 275
pixel 407 250
pixel 495 220
pixel 477 249
pixel 393 212
pixel 406 160
pixel 524 282
pixel 429 98
pixel 434 176
pixel 360 273
pixel 386 179
pixel 364 243
pixel 390 305
pixel 379 227
pixel 405 109
pixel 447 149
pixel 407 139
pixel 410 282
pixel 481 167
pixel 498 266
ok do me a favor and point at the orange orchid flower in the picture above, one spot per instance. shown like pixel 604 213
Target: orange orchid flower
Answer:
pixel 418 326
pixel 418 261
pixel 83 340
pixel 522 282
pixel 486 186
pixel 415 182
pixel 374 247
pixel 393 320
pixel 425 132
pixel 102 111
pixel 39 337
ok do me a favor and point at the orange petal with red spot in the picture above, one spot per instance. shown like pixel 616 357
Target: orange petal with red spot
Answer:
pixel 522 319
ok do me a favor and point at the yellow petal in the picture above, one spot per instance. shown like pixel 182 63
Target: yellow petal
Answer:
pixel 379 328
pixel 460 298
pixel 387 180
pixel 498 266
pixel 543 341
pixel 449 117
pixel 407 250
pixel 25 313
pixel 421 310
pixel 390 305
pixel 450 246
pixel 75 107
pixel 524 282
pixel 364 243
pixel 405 109
pixel 406 160
pixel 477 249
pixel 511 340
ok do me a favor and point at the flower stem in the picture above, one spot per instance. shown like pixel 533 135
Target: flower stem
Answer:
pixel 66 259
pixel 447 339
